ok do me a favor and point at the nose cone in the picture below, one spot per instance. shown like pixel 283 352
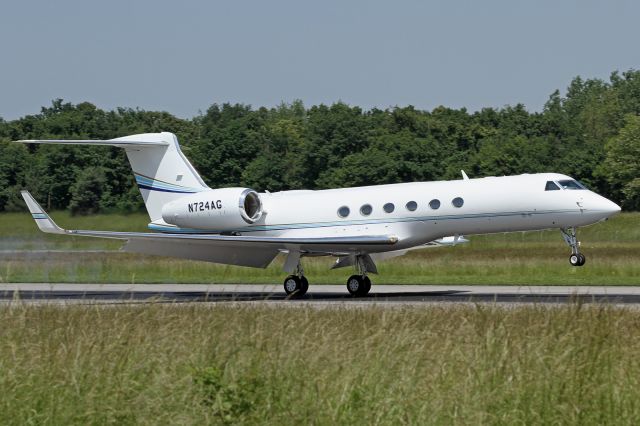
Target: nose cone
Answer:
pixel 608 207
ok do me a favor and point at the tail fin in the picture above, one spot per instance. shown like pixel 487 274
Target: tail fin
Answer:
pixel 162 171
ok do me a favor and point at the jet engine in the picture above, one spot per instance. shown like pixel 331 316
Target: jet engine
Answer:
pixel 221 209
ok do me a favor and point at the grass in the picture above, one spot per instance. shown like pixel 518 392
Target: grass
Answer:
pixel 612 249
pixel 196 364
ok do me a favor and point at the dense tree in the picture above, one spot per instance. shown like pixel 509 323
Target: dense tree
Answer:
pixel 229 139
pixel 13 163
pixel 86 192
pixel 590 133
pixel 621 167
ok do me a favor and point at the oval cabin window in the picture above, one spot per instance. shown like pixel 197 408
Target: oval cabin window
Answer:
pixel 366 210
pixel 389 207
pixel 434 204
pixel 457 202
pixel 343 211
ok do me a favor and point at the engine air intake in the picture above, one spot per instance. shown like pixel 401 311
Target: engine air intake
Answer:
pixel 250 206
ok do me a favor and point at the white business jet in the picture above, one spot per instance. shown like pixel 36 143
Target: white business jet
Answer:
pixel 358 226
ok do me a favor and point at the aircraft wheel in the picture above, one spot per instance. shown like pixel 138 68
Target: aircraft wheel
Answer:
pixel 358 285
pixel 582 259
pixel 577 259
pixel 294 285
pixel 304 285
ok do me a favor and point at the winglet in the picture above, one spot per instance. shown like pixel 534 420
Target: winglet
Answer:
pixel 464 175
pixel 44 222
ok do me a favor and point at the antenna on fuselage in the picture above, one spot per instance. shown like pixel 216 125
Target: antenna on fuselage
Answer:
pixel 464 175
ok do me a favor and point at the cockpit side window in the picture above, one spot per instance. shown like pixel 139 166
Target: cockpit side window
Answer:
pixel 551 186
pixel 571 184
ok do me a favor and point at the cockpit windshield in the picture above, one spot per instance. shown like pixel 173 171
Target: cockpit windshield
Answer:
pixel 551 186
pixel 571 184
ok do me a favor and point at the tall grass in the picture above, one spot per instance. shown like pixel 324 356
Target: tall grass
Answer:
pixel 612 249
pixel 508 266
pixel 195 364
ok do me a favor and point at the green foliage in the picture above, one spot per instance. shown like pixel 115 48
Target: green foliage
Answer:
pixel 13 162
pixel 86 192
pixel 622 164
pixel 293 147
pixel 429 365
pixel 612 249
pixel 228 401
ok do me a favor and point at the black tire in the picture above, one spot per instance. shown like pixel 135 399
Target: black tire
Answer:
pixel 367 283
pixel 583 259
pixel 304 285
pixel 292 285
pixel 574 260
pixel 357 285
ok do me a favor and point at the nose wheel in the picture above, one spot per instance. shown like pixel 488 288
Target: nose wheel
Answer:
pixel 576 258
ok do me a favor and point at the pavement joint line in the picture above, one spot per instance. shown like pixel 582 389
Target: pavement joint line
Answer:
pixel 319 295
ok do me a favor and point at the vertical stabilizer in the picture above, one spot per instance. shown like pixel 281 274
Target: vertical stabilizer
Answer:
pixel 162 172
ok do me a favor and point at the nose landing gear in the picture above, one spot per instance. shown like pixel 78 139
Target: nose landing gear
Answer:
pixel 576 258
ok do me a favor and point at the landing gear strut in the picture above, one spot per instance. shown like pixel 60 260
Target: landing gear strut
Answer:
pixel 569 235
pixel 360 284
pixel 296 284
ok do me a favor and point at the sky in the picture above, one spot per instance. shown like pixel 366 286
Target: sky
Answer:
pixel 183 56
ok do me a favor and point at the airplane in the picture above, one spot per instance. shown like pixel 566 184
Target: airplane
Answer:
pixel 358 226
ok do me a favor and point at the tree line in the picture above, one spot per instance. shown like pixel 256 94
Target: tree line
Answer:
pixel 591 133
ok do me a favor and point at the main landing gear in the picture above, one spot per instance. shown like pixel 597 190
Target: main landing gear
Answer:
pixel 576 258
pixel 296 285
pixel 358 285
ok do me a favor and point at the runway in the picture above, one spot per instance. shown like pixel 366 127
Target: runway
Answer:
pixel 318 295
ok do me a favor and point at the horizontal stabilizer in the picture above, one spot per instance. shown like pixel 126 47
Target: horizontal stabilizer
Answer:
pixel 157 162
pixel 109 142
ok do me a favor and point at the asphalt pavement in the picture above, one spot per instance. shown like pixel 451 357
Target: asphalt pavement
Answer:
pixel 318 294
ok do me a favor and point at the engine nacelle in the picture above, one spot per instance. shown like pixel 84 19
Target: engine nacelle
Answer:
pixel 219 209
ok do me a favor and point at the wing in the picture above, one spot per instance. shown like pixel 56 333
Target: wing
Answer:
pixel 233 250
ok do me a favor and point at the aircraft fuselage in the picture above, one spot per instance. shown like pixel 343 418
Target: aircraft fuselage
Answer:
pixel 416 213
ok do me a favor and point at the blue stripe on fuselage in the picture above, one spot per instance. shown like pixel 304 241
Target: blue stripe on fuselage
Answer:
pixel 282 227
